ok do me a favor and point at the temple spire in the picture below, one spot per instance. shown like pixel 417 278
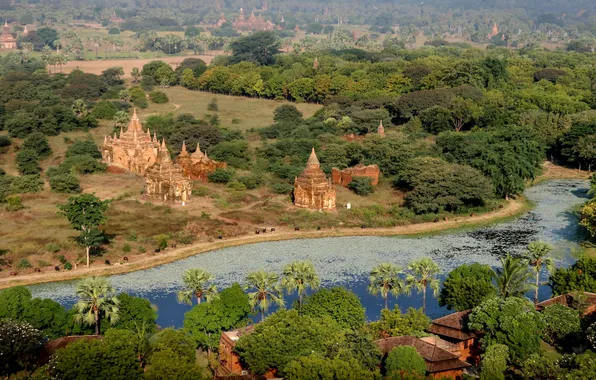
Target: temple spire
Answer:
pixel 381 130
pixel 183 147
pixel 313 161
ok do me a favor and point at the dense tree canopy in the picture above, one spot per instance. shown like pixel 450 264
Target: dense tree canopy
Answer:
pixel 467 286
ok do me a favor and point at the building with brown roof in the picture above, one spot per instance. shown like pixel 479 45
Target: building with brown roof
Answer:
pixel 440 363
pixel 52 346
pixel 312 189
pixel 222 20
pixel 228 359
pixel 114 19
pixel 198 165
pixel 254 23
pixel 7 40
pixel 165 180
pixel 584 301
pixel 135 150
pixel 452 329
pixel 345 176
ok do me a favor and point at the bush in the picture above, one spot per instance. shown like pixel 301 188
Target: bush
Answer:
pixel 14 203
pixel 158 97
pixel 52 247
pixel 405 360
pixel 212 106
pixel 65 183
pixel 67 266
pixel 104 110
pixel 236 186
pixel 361 185
pixel 147 83
pixel 24 264
pixel 161 241
pixel 114 31
pixel 83 164
pixel 37 142
pixel 84 147
pixel 27 162
pixel 282 188
pixel 5 141
pixel 221 176
pixel 251 182
pixel 141 103
pixel 27 184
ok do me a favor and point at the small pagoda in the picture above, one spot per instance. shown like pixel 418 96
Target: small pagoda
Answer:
pixel 198 165
pixel 165 180
pixel 7 40
pixel 312 189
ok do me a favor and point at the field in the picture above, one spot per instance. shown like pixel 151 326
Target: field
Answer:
pixel 247 112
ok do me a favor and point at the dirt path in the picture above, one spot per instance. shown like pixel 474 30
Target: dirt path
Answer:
pixel 511 209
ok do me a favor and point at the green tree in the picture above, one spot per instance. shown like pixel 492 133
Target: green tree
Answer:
pixel 283 337
pixel 394 323
pixel 361 185
pixel 513 277
pixel 494 362
pixel 316 367
pixel 537 257
pixel 340 304
pixel 384 280
pixel 510 321
pixel 176 343
pixel 267 291
pixel 197 283
pixel 299 276
pixel 581 276
pixel 135 74
pixel 259 47
pixel 27 162
pixel 539 367
pixel 166 366
pixel 405 360
pixel 37 142
pixel 467 286
pixel 134 312
pixel 463 111
pixel 20 345
pixel 84 147
pixel 561 325
pixel 206 321
pixel 96 302
pixel 423 274
pixel 85 213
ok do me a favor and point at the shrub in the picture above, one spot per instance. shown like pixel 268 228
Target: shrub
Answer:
pixel 62 259
pixel 136 93
pixel 405 360
pixel 27 162
pixel 5 187
pixel 104 110
pixel 282 188
pixel 83 164
pixel 212 106
pixel 251 182
pixel 5 142
pixel 37 142
pixel 126 248
pixel 84 147
pixel 141 103
pixel 114 30
pixel 158 97
pixel 27 184
pixel 67 266
pixel 14 203
pixel 24 264
pixel 221 176
pixel 361 185
pixel 65 183
pixel 161 241
pixel 147 83
pixel 53 248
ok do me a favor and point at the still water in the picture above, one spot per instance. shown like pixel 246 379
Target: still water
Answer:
pixel 347 261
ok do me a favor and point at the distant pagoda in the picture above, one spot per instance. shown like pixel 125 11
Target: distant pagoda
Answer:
pixel 312 189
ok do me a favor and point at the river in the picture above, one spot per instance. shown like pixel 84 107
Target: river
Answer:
pixel 346 261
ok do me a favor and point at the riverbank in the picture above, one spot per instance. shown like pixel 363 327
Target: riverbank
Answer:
pixel 512 209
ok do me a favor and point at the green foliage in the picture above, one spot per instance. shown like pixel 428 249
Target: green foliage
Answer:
pixel 158 97
pixel 27 162
pixel 134 312
pixel 114 30
pixel 14 203
pixel 206 321
pixel 581 276
pixel 405 360
pixel 494 362
pixel 259 47
pixel 282 338
pixel 341 305
pixel 561 325
pixel 221 176
pixel 512 322
pixel 361 185
pixel 235 153
pixel 65 183
pixel 467 286
pixel 23 264
pixel 104 110
pixel 212 106
pixel 27 184
pixel 161 240
pixel 84 147
pixel 82 164
pixel 20 345
pixel 394 323
pixel 5 141
pixel 316 367
pixel 538 366
pixel 93 359
pixel 176 343
pixel 37 142
pixel 165 365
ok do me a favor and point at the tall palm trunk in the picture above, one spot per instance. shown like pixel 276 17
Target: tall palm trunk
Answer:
pixel 536 290
pixel 87 251
pixel 386 299
pixel 97 322
pixel 424 299
pixel 262 314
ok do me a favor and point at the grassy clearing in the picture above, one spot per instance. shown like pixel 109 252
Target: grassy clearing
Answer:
pixel 248 112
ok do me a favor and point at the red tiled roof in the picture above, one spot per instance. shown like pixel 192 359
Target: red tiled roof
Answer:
pixel 436 359
pixel 54 345
pixel 452 326
pixel 567 300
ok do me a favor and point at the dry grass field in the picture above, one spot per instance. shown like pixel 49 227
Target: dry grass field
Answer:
pixel 248 112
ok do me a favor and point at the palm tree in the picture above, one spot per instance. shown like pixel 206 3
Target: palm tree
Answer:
pixel 135 74
pixel 384 279
pixel 197 284
pixel 537 252
pixel 298 276
pixel 97 300
pixel 268 291
pixel 513 277
pixel 424 274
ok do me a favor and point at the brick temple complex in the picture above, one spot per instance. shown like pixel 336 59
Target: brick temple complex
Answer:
pixel 135 150
pixel 253 22
pixel 197 165
pixel 7 40
pixel 312 189
pixel 165 180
